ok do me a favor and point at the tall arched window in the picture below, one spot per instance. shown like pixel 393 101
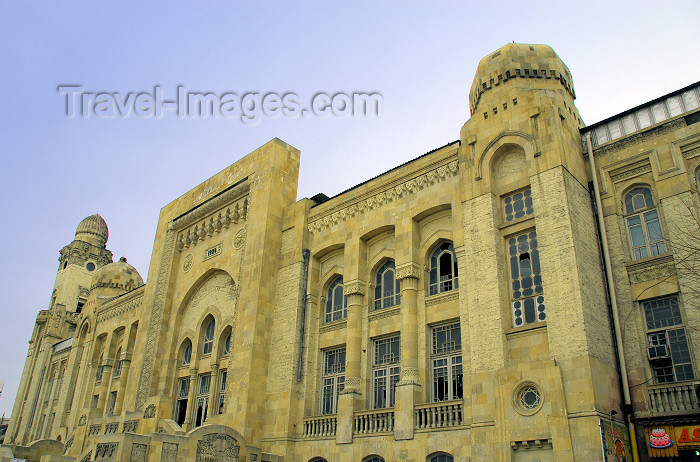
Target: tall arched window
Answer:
pixel 118 363
pixel 440 457
pixel 208 338
pixel 387 291
pixel 187 355
pixel 336 302
pixel 443 269
pixel 227 344
pixel 646 238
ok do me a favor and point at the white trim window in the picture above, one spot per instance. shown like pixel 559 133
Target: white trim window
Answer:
pixel 526 281
pixel 387 291
pixel 643 226
pixel 209 338
pixel 227 344
pixel 223 376
pixel 446 360
pixel 183 392
pixel 385 371
pixel 202 399
pixel 336 302
pixel 443 269
pixel 333 380
pixel 187 355
pixel 667 344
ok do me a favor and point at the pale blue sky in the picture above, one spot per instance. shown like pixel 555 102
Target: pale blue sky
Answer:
pixel 421 58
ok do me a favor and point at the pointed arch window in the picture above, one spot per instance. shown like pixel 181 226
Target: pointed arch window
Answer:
pixel 643 226
pixel 187 355
pixel 387 291
pixel 227 344
pixel 443 269
pixel 118 364
pixel 336 302
pixel 209 338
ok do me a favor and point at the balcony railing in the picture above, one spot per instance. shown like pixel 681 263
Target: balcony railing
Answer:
pixel 320 427
pixel 439 415
pixel 673 398
pixel 374 421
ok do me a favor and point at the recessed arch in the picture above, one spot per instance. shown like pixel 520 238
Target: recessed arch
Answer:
pixel 495 146
pixel 439 457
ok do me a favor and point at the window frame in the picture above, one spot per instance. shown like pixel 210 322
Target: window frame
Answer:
pixel 526 289
pixel 333 380
pixel 667 370
pixel 388 370
pixel 384 298
pixel 437 283
pixel 642 215
pixel 187 354
pixel 209 331
pixel 332 310
pixel 452 359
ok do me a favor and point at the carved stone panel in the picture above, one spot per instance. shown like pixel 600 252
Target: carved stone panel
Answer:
pixel 138 453
pixel 217 447
pixel 169 453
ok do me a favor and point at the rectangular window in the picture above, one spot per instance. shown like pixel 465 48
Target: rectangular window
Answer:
pixel 118 369
pixel 446 358
pixel 223 376
pixel 183 391
pixel 667 344
pixel 526 281
pixel 95 400
pixel 333 380
pixel 112 402
pixel 517 205
pixel 202 399
pixel 385 371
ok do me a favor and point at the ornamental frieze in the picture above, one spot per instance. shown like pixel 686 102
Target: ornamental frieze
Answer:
pixel 411 186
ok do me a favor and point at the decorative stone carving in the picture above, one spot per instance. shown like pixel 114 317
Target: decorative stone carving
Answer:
pixel 106 451
pixel 82 421
pixel 408 270
pixel 437 299
pixel 69 444
pixel 156 317
pixel 87 457
pixel 352 385
pixel 239 239
pixel 690 153
pixel 150 412
pixel 384 313
pixel 331 326
pixel 122 306
pixel 111 427
pixel 217 447
pixel 138 452
pixel 130 426
pixel 187 264
pixel 409 376
pixel 411 186
pixel 94 429
pixel 169 453
pixel 355 287
pixel 653 270
pixel 630 171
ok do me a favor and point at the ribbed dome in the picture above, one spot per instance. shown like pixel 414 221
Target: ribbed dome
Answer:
pixel 118 275
pixel 93 229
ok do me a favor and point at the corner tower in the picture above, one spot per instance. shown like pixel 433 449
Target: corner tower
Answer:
pixel 542 332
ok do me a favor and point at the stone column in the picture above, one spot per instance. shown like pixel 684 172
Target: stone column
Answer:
pixel 348 398
pixel 103 389
pixel 213 391
pixel 123 378
pixel 409 386
pixel 191 398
